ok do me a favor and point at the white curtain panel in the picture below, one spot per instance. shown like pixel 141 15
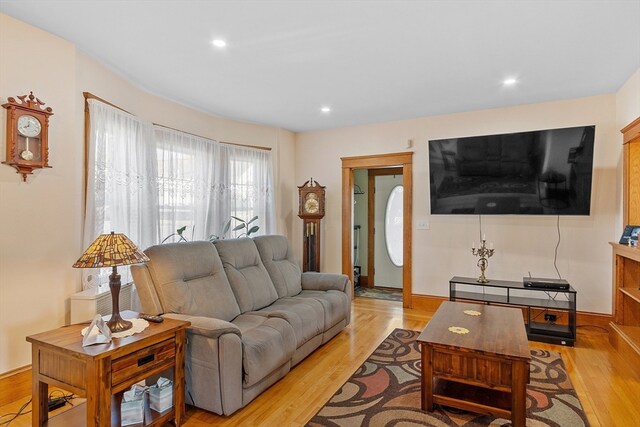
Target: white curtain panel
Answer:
pixel 250 177
pixel 192 189
pixel 146 181
pixel 202 183
pixel 121 185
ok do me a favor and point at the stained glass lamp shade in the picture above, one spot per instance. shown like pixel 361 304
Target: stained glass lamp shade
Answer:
pixel 111 250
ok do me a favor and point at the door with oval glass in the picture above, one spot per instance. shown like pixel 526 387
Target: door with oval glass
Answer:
pixel 388 214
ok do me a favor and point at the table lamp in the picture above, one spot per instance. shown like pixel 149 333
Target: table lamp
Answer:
pixel 111 250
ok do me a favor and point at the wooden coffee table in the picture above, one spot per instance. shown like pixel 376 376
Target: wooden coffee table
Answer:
pixel 485 370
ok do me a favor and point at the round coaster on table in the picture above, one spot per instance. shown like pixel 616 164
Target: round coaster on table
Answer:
pixel 472 312
pixel 458 330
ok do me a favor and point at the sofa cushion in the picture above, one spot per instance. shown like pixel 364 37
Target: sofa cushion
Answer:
pixel 267 344
pixel 306 316
pixel 336 305
pixel 278 259
pixel 189 279
pixel 249 279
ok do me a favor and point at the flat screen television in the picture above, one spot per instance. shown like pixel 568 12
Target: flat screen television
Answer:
pixel 544 172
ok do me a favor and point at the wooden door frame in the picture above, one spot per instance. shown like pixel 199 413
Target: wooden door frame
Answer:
pixel 404 160
pixel 371 207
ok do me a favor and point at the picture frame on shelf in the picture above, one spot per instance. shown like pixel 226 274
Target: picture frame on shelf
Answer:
pixel 630 235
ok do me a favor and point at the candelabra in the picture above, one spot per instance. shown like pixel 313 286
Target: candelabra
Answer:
pixel 484 255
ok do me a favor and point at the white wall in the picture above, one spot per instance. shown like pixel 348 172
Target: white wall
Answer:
pixel 42 218
pixel 627 110
pixel 523 243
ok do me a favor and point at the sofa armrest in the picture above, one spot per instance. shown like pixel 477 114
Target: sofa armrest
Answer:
pixel 206 326
pixel 325 281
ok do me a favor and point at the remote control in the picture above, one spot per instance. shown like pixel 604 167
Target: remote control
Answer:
pixel 151 318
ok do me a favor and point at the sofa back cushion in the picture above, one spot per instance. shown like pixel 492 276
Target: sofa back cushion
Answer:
pixel 189 279
pixel 277 257
pixel 249 279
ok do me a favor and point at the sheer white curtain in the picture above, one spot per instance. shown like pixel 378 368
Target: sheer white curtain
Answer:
pixel 192 189
pixel 147 181
pixel 202 183
pixel 121 185
pixel 250 178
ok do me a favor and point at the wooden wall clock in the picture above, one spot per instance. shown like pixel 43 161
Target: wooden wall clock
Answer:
pixel 27 134
pixel 311 210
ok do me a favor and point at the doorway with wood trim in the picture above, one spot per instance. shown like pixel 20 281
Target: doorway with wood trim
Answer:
pixel 385 165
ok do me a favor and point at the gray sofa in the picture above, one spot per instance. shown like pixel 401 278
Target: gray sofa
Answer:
pixel 253 313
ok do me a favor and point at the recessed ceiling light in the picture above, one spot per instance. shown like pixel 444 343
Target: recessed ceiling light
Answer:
pixel 511 81
pixel 219 43
pixel 325 109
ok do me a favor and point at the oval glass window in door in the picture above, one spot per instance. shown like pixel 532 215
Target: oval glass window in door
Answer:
pixel 393 225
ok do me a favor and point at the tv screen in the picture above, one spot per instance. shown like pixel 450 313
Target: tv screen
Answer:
pixel 545 172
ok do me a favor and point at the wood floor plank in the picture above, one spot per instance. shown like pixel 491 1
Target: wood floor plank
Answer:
pixel 607 386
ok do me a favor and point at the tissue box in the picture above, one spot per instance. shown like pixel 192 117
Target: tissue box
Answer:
pixel 132 407
pixel 161 395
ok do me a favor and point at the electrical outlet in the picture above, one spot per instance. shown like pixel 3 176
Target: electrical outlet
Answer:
pixel 422 225
pixel 550 317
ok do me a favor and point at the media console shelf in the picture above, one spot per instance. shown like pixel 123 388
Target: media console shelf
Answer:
pixel 536 303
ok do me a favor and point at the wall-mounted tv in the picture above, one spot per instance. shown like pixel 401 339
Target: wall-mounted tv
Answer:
pixel 545 172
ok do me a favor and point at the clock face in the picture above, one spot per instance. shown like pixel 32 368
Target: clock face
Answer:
pixel 29 126
pixel 311 205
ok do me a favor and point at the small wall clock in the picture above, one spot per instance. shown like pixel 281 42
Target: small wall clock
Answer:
pixel 27 134
pixel 311 210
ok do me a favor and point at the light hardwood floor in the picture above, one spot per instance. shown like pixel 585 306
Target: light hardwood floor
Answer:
pixel 608 387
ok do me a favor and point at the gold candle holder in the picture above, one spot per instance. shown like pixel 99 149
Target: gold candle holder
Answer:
pixel 484 253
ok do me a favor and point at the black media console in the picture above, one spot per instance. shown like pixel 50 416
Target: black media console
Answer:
pixel 550 314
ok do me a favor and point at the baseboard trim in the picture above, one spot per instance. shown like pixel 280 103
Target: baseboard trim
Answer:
pixel 426 302
pixel 15 385
pixel 583 318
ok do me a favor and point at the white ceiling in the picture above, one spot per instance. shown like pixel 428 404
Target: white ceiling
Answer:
pixel 370 61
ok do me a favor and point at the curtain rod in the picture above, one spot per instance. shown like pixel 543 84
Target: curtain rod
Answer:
pixel 89 95
pixel 258 147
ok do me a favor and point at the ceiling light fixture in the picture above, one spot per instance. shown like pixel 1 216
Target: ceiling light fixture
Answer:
pixel 325 109
pixel 219 43
pixel 511 81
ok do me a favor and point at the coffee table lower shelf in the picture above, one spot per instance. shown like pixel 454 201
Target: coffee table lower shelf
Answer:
pixel 472 398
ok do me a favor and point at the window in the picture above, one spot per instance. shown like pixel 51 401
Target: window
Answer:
pixel 147 181
pixel 393 220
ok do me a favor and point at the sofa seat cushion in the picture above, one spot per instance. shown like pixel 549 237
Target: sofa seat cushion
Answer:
pixel 336 305
pixel 249 280
pixel 305 315
pixel 267 344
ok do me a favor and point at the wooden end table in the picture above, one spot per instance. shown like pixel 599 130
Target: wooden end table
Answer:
pixel 102 373
pixel 485 370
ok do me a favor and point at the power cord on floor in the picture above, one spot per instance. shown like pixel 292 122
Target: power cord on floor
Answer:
pixel 56 402
pixel 15 415
pixel 57 399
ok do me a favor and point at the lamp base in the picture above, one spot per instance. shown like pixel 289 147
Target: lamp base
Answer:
pixel 118 324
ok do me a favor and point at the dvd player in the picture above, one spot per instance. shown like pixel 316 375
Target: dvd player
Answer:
pixel 541 283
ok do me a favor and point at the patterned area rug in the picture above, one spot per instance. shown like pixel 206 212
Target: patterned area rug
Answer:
pixel 379 293
pixel 385 391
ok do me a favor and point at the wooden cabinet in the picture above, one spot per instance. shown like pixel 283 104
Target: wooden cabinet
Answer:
pixel 101 373
pixel 625 327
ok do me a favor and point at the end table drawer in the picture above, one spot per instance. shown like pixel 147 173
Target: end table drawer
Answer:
pixel 142 361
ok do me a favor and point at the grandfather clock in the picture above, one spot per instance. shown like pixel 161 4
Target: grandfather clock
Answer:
pixel 311 210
